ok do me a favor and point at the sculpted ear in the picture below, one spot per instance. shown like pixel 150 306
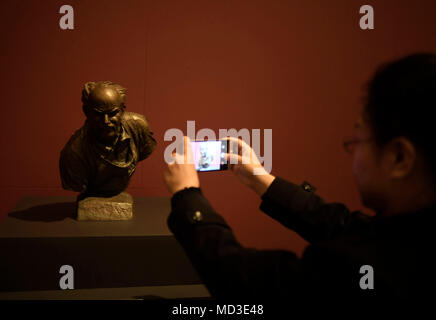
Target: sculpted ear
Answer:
pixel 87 89
pixel 89 86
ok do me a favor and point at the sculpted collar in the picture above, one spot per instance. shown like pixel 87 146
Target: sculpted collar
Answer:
pixel 101 148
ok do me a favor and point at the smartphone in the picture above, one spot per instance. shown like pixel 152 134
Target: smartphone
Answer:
pixel 210 155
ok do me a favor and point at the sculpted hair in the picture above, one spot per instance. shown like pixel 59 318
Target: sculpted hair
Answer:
pixel 90 86
pixel 400 102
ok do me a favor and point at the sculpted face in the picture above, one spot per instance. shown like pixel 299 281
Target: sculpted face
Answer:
pixel 104 112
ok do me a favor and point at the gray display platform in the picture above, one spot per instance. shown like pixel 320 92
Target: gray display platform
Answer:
pixel 113 259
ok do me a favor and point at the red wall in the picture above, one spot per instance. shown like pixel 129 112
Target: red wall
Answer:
pixel 296 67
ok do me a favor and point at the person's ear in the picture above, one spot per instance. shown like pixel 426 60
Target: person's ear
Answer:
pixel 402 157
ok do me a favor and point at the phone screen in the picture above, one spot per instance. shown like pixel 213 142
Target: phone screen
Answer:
pixel 209 155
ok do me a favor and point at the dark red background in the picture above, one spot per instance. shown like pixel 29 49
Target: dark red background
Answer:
pixel 297 67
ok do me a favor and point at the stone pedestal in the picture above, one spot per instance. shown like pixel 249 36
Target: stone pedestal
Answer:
pixel 119 207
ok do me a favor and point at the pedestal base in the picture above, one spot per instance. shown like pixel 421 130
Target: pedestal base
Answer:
pixel 119 207
pixel 42 234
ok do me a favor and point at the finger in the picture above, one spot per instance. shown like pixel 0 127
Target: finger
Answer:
pixel 179 159
pixel 189 158
pixel 233 159
pixel 172 159
pixel 185 148
pixel 244 149
pixel 235 141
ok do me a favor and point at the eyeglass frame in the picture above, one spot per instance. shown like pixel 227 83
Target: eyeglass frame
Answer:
pixel 348 142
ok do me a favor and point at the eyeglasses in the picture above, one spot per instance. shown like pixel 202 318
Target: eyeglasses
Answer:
pixel 350 142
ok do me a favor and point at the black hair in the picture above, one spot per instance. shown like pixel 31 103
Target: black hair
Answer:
pixel 400 102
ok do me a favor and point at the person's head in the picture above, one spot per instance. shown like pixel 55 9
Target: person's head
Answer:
pixel 394 150
pixel 104 105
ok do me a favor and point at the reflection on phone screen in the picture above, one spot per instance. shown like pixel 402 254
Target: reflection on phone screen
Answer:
pixel 209 155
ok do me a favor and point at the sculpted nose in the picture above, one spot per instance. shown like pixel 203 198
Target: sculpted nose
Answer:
pixel 106 118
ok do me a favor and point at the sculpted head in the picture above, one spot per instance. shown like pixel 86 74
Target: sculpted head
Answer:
pixel 104 105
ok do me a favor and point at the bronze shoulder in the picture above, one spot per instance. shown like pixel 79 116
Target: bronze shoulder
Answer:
pixel 135 120
pixel 75 144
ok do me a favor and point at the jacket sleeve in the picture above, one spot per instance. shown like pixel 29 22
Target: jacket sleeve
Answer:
pixel 300 209
pixel 226 268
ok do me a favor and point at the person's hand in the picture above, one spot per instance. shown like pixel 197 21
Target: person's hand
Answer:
pixel 247 167
pixel 181 173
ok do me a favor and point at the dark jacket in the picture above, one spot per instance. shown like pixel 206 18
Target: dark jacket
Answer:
pixel 398 249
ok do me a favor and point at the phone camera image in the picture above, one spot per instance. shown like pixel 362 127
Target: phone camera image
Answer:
pixel 210 155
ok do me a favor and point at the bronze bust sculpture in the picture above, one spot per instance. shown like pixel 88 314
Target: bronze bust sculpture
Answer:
pixel 100 157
